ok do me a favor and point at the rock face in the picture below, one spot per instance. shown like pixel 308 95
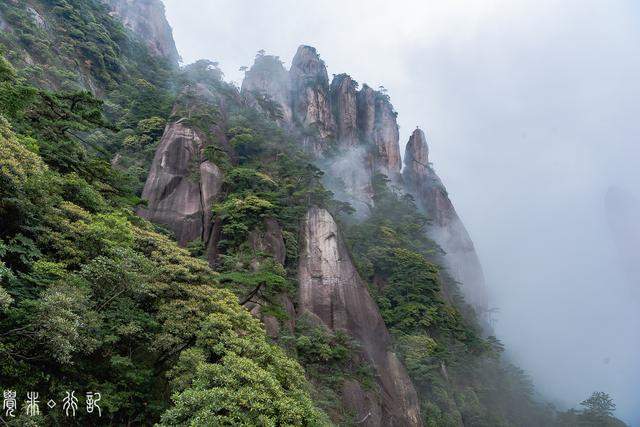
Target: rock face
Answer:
pixel 147 19
pixel 386 139
pixel 268 78
pixel 269 241
pixel 336 122
pixel 343 100
pixel 331 289
pixel 310 94
pixel 181 185
pixel 446 229
pixel 377 125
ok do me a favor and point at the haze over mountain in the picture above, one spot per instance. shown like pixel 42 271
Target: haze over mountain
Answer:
pixel 263 253
pixel 529 109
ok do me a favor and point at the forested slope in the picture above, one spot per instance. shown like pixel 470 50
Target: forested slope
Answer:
pixel 198 255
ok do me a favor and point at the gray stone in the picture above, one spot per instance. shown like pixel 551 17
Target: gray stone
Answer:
pixel 310 96
pixel 331 289
pixel 181 186
pixel 343 101
pixel 267 77
pixel 146 18
pixel 446 228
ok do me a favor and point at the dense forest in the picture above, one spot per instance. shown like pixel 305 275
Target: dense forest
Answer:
pixel 95 298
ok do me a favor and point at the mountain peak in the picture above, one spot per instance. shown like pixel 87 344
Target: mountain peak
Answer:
pixel 147 19
pixel 416 156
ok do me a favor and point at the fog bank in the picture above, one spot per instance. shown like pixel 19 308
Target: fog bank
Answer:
pixel 530 109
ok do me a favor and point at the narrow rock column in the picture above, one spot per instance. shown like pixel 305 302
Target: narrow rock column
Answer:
pixel 331 289
pixel 446 228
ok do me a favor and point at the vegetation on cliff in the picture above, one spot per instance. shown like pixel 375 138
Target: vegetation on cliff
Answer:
pixel 95 299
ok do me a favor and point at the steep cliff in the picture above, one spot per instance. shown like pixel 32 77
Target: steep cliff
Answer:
pixel 331 289
pixel 343 100
pixel 183 183
pixel 267 81
pixel 310 98
pixel 146 18
pixel 445 228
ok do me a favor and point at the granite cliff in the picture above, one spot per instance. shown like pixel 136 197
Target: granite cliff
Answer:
pixel 445 226
pixel 146 19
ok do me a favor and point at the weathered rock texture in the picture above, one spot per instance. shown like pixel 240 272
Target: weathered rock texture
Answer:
pixel 310 96
pixel 182 185
pixel 268 78
pixel 335 123
pixel 147 19
pixel 331 289
pixel 268 241
pixel 343 100
pixel 386 139
pixel 445 228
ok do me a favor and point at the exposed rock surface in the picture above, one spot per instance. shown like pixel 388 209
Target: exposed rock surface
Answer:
pixel 310 94
pixel 331 289
pixel 446 229
pixel 181 185
pixel 361 125
pixel 267 77
pixel 147 19
pixel 343 100
pixel 36 17
pixel 386 139
pixel 268 241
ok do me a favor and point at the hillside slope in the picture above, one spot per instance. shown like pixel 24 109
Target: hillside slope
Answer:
pixel 202 254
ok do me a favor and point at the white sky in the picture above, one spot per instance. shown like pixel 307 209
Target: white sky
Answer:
pixel 531 109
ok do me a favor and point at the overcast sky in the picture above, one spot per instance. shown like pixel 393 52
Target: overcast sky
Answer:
pixel 531 111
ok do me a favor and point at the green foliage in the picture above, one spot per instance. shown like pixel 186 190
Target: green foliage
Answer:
pixel 233 377
pixel 240 214
pixel 460 377
pixel 330 358
pixel 597 410
pixel 599 405
pixel 93 300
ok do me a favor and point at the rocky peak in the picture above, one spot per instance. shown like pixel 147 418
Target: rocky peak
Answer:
pixel 343 99
pixel 147 19
pixel 310 94
pixel 307 66
pixel 386 138
pixel 416 158
pixel 366 101
pixel 267 80
pixel 446 228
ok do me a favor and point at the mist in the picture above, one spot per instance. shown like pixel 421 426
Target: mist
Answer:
pixel 531 112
